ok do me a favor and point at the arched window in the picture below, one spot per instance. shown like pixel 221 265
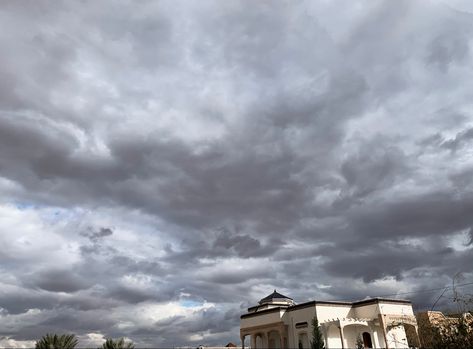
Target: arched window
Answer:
pixel 367 340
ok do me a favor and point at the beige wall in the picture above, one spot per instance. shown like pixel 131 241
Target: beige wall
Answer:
pixel 261 319
pixel 370 311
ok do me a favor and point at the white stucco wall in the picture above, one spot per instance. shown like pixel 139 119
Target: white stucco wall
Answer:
pixel 265 318
pixel 291 318
pixel 397 337
pixel 391 308
pixel 328 312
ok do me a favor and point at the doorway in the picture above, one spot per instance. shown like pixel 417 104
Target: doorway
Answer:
pixel 367 340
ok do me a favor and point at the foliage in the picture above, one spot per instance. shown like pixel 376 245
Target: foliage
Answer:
pixel 317 338
pixel 458 336
pixel 359 342
pixel 117 344
pixel 54 341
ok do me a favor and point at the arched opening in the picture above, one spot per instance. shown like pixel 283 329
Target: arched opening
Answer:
pixel 333 337
pixel 367 340
pixel 274 341
pixel 259 341
pixel 411 335
pixel 303 341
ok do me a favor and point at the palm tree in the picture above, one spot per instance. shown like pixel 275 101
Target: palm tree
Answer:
pixel 117 344
pixel 63 341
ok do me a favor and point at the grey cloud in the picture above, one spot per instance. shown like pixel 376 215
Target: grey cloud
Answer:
pixel 131 294
pixel 237 277
pixel 396 260
pixel 130 265
pixel 470 236
pixel 433 214
pixel 20 302
pixel 460 140
pixel 59 281
pixel 463 178
pixel 324 151
pixel 374 166
pixel 243 245
pixel 95 236
pixel 448 48
pixel 434 140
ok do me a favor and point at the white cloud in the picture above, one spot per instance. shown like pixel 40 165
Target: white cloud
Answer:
pixel 6 342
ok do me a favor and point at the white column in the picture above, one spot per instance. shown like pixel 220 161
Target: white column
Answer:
pixel 375 339
pixel 265 340
pixel 267 336
pixel 253 341
pixel 281 340
pixel 342 338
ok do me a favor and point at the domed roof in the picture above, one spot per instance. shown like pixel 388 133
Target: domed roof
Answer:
pixel 273 296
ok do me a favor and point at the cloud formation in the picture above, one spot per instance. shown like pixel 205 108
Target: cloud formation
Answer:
pixel 165 165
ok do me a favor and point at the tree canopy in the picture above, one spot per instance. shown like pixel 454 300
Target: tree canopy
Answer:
pixel 317 338
pixel 117 344
pixel 54 341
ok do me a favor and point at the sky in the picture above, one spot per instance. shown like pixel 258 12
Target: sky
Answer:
pixel 166 164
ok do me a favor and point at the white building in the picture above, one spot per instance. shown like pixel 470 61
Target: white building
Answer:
pixel 277 322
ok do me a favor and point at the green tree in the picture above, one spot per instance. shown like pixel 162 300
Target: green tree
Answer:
pixel 54 341
pixel 359 342
pixel 317 341
pixel 117 344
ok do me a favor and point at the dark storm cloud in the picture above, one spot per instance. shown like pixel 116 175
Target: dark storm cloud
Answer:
pixel 395 259
pixel 374 166
pixel 168 330
pixel 197 155
pixel 243 245
pixel 95 236
pixel 436 213
pixel 59 281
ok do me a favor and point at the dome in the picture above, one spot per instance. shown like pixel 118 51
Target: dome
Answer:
pixel 276 298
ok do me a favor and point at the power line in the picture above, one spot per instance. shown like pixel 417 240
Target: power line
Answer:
pixel 433 306
pixel 425 291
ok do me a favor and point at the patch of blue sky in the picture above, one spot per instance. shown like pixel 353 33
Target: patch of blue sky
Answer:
pixel 56 214
pixel 189 303
pixel 23 205
pixel 47 213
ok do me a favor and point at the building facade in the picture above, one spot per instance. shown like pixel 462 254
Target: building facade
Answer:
pixel 278 322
